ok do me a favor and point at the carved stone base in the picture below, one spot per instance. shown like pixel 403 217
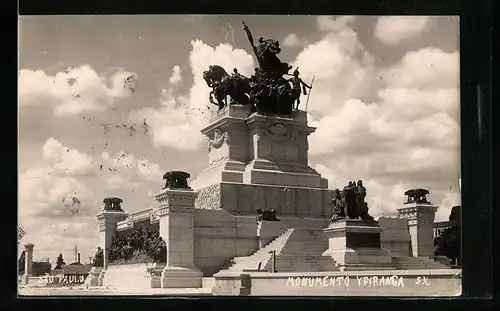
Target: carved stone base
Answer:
pixel 93 277
pixel 25 279
pixel 156 275
pixel 179 277
pixel 243 199
pixel 355 245
pixel 100 280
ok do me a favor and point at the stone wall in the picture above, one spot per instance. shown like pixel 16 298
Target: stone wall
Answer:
pixel 363 283
pixel 395 235
pixel 220 236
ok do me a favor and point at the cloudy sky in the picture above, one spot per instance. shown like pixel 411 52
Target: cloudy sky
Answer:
pixel 109 103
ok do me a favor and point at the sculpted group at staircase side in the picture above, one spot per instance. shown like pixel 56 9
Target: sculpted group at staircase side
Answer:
pixel 350 203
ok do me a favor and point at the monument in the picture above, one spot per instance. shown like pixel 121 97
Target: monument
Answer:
pixel 258 164
pixel 257 142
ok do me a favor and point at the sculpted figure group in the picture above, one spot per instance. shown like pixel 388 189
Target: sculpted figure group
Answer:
pixel 267 90
pixel 350 203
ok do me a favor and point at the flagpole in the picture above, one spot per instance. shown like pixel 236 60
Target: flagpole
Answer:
pixel 309 94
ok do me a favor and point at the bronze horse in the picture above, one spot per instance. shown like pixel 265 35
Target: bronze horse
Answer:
pixel 223 84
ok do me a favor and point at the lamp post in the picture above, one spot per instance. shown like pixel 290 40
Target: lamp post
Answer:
pixel 273 252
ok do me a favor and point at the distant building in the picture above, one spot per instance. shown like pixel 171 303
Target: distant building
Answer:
pixel 447 237
pixel 453 222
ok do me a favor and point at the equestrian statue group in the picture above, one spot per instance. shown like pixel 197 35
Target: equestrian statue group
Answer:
pixel 350 203
pixel 267 90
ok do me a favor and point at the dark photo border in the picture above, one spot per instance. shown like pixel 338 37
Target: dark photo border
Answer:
pixel 477 172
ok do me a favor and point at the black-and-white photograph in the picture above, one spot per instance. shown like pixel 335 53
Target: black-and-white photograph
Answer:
pixel 239 155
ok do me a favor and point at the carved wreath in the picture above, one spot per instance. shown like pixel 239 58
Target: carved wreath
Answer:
pixel 130 222
pixel 154 214
pixel 278 132
pixel 218 140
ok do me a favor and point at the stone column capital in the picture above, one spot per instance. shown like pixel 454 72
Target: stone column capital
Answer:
pixel 175 199
pixel 108 219
pixel 417 211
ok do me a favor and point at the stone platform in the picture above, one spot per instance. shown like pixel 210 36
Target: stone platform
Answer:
pixel 244 199
pixel 261 159
pixel 355 245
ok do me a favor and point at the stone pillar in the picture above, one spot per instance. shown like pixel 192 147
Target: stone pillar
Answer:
pixel 28 263
pixel 420 217
pixel 107 229
pixel 176 212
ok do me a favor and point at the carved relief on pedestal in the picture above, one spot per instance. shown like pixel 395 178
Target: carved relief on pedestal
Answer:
pixel 163 211
pixel 217 139
pixel 180 200
pixel 278 133
pixel 209 198
pixel 154 214
pixel 162 200
pixel 408 213
pixel 215 142
pixel 130 222
pixel 102 224
pixel 174 199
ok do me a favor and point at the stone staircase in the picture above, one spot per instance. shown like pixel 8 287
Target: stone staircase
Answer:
pixel 261 256
pixel 298 250
pixel 301 249
pixel 303 253
pixel 409 263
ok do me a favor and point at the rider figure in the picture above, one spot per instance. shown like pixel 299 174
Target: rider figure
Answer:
pixel 297 83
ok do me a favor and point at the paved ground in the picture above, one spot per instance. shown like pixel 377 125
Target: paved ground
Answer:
pixel 80 291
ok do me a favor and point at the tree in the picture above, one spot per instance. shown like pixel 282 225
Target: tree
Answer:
pixel 60 262
pixel 20 234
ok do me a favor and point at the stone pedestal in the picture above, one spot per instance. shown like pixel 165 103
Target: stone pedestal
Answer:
pixel 93 279
pixel 355 245
pixel 28 263
pixel 420 217
pixel 261 161
pixel 278 152
pixel 156 273
pixel 259 149
pixel 176 213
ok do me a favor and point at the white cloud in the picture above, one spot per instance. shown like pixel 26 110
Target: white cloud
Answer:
pixel 341 66
pixel 334 23
pixel 294 40
pixel 42 189
pixel 176 76
pixel 47 210
pixel 429 68
pixel 130 172
pixel 177 123
pixel 392 30
pixel 408 139
pixel 76 90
